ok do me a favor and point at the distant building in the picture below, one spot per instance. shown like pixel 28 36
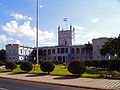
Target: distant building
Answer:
pixel 66 50
pixel 16 52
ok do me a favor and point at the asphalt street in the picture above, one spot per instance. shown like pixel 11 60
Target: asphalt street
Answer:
pixel 7 84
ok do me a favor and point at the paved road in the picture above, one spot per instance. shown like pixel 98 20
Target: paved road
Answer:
pixel 7 84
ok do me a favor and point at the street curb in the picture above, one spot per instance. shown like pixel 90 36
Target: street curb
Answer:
pixel 58 84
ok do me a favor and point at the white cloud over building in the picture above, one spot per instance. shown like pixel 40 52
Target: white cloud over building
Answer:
pixel 19 16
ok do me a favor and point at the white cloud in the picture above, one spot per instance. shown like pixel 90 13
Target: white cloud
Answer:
pixel 19 16
pixel 10 27
pixel 41 6
pixel 78 30
pixel 93 34
pixel 95 20
pixel 18 42
pixel 3 38
pixel 77 27
pixel 25 30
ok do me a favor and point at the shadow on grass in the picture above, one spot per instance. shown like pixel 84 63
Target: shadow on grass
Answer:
pixel 36 75
pixel 14 73
pixel 67 77
pixel 4 71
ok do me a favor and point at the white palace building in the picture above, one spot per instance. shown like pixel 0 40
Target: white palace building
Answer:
pixel 65 51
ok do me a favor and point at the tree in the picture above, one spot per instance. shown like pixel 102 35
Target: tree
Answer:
pixel 88 50
pixel 2 55
pixel 41 53
pixel 26 66
pixel 96 63
pixel 47 66
pixel 1 63
pixel 104 64
pixel 76 67
pixel 115 65
pixel 111 46
pixel 10 65
pixel 88 63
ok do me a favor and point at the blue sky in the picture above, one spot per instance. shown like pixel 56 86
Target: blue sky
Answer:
pixel 91 19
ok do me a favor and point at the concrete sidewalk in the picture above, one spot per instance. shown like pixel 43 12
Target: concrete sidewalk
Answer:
pixel 100 84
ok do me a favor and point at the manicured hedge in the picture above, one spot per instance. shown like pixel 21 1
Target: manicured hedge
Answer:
pixel 26 66
pixel 76 67
pixel 10 65
pixel 47 66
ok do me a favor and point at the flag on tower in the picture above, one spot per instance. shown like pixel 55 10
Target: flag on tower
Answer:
pixel 65 19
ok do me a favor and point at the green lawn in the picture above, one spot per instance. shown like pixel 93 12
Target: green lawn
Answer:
pixel 59 70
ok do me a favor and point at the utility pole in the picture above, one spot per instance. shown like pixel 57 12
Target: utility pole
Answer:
pixel 37 36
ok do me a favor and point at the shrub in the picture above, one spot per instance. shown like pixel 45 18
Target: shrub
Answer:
pixel 10 65
pixel 115 73
pixel 20 62
pixel 91 70
pixel 96 63
pixel 59 62
pixel 47 66
pixel 114 65
pixel 26 66
pixel 88 63
pixel 76 67
pixel 55 62
pixel 104 64
pixel 40 61
pixel 1 63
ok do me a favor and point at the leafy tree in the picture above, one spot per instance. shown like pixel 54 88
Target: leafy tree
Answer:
pixel 104 64
pixel 88 50
pixel 88 63
pixel 2 55
pixel 115 65
pixel 47 66
pixel 26 66
pixel 1 63
pixel 112 47
pixel 96 63
pixel 76 67
pixel 10 65
pixel 41 54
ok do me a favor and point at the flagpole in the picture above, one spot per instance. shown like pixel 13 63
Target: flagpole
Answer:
pixel 37 36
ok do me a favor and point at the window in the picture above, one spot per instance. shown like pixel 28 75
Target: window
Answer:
pixel 58 50
pixel 49 52
pixel 72 51
pixel 77 51
pixel 25 52
pixel 53 51
pixel 66 50
pixel 62 50
pixel 65 42
pixel 21 51
pixel 45 52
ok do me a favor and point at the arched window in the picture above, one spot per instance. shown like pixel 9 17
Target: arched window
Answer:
pixel 49 52
pixel 77 51
pixel 53 51
pixel 72 51
pixel 45 52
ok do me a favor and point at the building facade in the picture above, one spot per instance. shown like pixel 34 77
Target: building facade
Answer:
pixel 66 50
pixel 16 53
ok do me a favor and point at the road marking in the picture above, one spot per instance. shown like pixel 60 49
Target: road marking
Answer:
pixel 3 89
